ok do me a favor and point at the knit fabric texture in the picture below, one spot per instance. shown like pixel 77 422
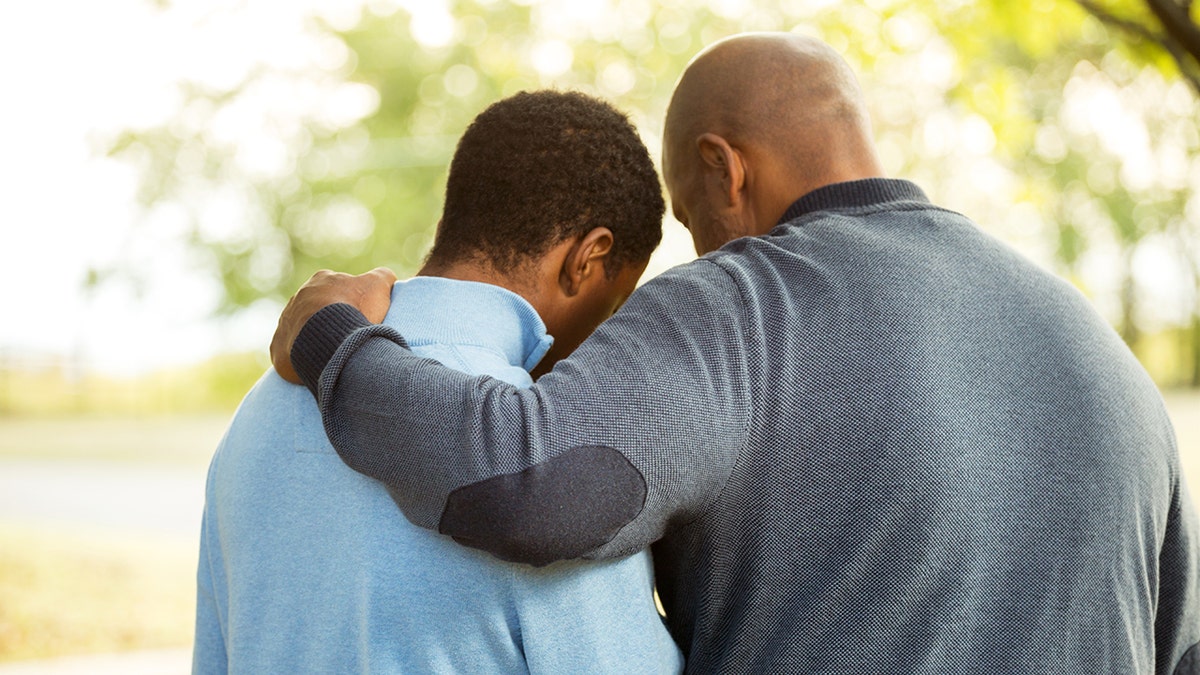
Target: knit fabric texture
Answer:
pixel 874 440
pixel 307 566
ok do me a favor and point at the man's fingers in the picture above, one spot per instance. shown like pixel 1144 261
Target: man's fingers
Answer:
pixel 377 293
pixel 281 359
pixel 385 275
pixel 370 293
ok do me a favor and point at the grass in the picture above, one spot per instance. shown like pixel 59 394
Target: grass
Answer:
pixel 68 593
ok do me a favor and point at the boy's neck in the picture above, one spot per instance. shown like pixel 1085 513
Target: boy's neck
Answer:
pixel 472 270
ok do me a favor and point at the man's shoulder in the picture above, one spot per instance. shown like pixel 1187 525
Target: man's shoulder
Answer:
pixel 708 278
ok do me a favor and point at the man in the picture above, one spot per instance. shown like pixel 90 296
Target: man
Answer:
pixel 867 437
pixel 552 210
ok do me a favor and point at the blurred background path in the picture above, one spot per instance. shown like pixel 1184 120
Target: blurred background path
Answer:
pixel 155 500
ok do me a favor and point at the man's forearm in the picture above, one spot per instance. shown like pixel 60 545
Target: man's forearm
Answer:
pixel 635 430
pixel 320 338
pixel 520 501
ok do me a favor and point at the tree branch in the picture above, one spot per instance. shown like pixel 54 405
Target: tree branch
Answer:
pixel 1107 17
pixel 1192 75
pixel 1178 24
pixel 1187 61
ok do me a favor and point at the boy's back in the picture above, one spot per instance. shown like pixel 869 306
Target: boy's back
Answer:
pixel 307 566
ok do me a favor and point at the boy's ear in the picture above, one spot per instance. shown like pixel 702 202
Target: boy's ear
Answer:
pixel 585 259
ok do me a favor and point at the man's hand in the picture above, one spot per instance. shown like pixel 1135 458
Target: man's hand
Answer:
pixel 370 293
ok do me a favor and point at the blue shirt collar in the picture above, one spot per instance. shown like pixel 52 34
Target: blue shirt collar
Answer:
pixel 436 310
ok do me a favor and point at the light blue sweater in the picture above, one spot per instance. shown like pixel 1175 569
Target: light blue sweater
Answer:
pixel 307 566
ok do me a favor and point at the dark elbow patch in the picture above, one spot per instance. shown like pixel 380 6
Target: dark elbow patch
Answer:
pixel 559 509
pixel 1190 663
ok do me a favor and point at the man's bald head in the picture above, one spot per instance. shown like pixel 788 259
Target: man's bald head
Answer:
pixel 789 104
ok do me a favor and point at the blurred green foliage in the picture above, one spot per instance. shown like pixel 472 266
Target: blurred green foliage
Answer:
pixel 56 390
pixel 1064 133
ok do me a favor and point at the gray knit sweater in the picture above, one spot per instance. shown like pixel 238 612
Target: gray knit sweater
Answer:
pixel 875 440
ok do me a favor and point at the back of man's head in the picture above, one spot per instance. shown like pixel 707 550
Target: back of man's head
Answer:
pixel 539 167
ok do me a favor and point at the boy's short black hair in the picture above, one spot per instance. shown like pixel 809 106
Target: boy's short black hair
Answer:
pixel 539 167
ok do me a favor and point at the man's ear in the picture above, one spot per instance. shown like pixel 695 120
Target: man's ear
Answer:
pixel 585 260
pixel 723 164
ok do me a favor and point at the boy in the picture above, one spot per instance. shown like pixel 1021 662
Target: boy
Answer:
pixel 552 210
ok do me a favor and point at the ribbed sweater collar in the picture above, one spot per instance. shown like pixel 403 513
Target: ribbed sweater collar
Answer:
pixel 854 194
pixel 428 310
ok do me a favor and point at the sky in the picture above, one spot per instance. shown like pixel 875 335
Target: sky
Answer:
pixel 75 72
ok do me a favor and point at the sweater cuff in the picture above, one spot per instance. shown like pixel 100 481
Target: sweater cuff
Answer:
pixel 319 339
